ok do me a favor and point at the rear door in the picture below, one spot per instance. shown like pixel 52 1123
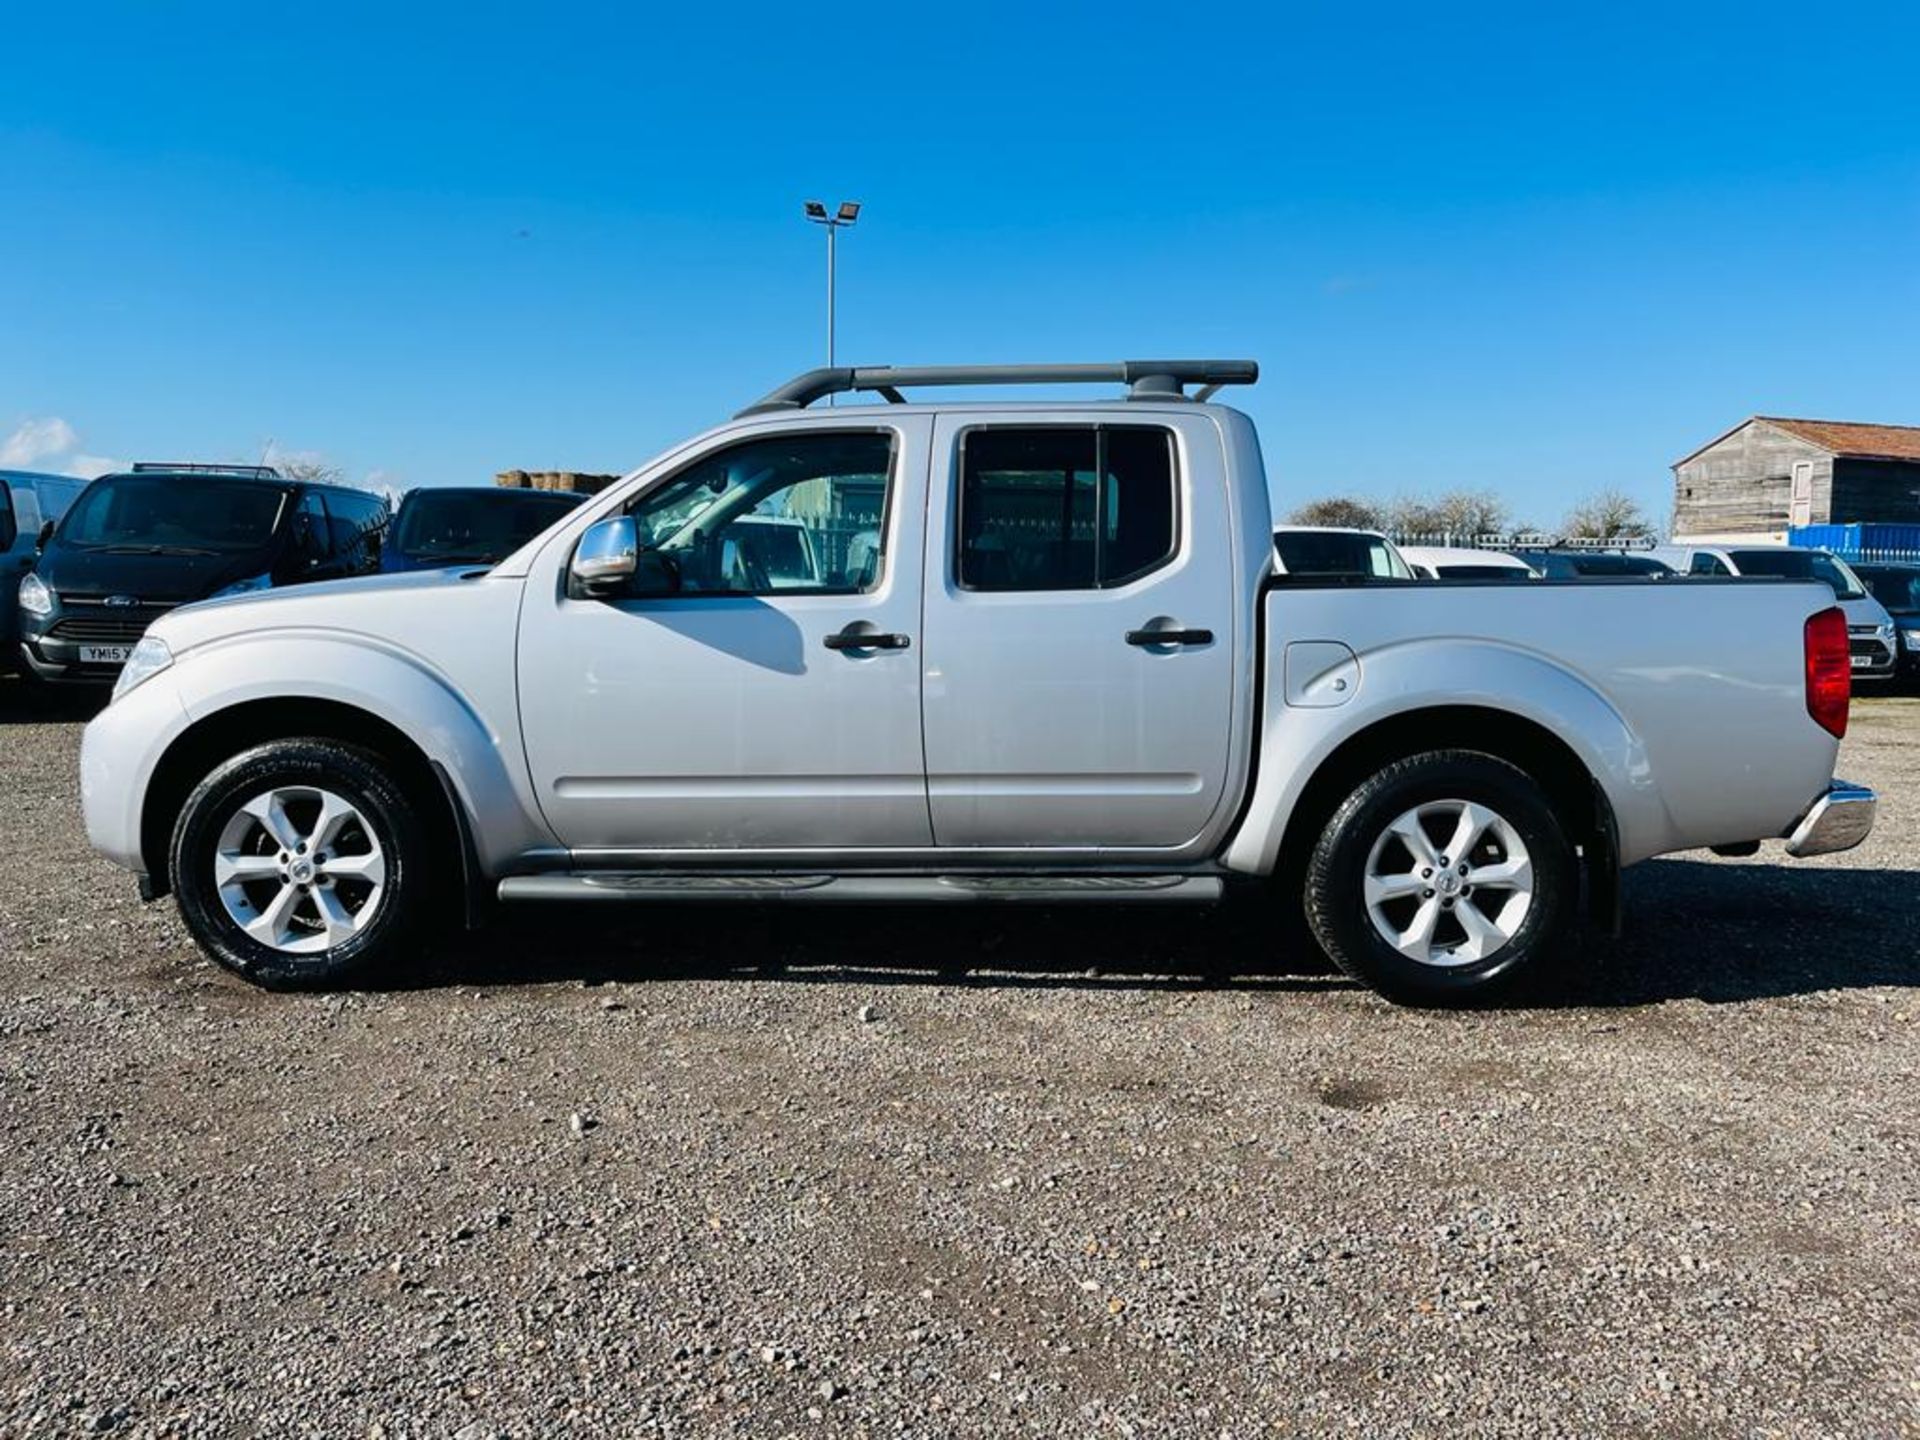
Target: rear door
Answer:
pixel 1079 632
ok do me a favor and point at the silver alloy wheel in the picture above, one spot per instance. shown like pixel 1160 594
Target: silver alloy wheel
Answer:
pixel 1449 883
pixel 300 869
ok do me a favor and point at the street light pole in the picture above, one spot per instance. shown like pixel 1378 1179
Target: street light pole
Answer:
pixel 846 213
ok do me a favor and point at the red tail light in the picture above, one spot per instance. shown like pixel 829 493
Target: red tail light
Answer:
pixel 1829 670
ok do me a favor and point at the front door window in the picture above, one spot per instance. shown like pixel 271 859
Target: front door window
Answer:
pixel 788 515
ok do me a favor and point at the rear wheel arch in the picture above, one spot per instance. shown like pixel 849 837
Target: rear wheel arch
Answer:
pixel 1571 785
pixel 225 733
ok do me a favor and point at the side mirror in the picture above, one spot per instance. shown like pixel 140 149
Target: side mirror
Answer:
pixel 607 556
pixel 46 534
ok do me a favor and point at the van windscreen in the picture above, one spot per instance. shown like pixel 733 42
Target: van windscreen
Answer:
pixel 173 514
pixel 465 525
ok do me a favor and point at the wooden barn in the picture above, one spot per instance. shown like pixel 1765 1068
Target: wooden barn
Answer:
pixel 1769 474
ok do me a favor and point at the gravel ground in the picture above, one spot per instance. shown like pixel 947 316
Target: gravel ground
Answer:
pixel 844 1173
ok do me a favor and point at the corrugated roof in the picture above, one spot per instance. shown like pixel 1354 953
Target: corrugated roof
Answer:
pixel 1842 437
pixel 1847 437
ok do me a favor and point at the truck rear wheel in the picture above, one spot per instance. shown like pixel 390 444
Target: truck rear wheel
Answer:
pixel 298 862
pixel 1443 879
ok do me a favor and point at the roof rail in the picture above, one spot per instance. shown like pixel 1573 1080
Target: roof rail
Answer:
pixel 170 467
pixel 1145 379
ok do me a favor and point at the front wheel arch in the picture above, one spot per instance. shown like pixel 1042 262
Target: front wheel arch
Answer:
pixel 225 733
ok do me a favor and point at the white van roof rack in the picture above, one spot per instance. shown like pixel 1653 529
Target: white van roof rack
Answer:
pixel 183 467
pixel 1144 379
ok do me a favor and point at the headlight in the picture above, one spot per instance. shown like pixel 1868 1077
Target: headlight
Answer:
pixel 35 597
pixel 149 658
pixel 1913 639
pixel 241 587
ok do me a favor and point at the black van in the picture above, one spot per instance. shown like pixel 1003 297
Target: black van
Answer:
pixel 135 545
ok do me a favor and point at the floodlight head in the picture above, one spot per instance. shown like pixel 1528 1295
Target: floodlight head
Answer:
pixel 849 211
pixel 815 210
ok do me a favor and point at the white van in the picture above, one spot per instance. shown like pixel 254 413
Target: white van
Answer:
pixel 1442 562
pixel 1870 633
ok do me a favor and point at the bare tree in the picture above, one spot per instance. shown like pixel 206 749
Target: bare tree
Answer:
pixel 316 472
pixel 1608 515
pixel 1338 510
pixel 1461 514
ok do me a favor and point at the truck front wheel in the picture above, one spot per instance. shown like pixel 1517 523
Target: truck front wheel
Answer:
pixel 1443 879
pixel 298 862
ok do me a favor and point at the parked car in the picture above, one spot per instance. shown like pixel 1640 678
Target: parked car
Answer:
pixel 136 545
pixel 1581 563
pixel 1325 551
pixel 468 524
pixel 1068 677
pixel 773 552
pixel 29 502
pixel 1875 648
pixel 1897 587
pixel 1439 562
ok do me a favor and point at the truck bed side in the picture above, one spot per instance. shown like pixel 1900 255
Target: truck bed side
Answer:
pixel 1685 701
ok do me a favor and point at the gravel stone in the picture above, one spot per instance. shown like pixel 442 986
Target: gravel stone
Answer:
pixel 1099 1173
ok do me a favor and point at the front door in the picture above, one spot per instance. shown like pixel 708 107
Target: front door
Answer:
pixel 760 687
pixel 1080 634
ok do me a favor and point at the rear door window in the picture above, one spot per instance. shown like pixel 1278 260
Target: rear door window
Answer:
pixel 1065 507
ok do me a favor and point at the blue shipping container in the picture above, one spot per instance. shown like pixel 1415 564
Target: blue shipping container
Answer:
pixel 1861 538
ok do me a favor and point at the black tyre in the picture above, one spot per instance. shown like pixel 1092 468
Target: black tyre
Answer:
pixel 1398 908
pixel 299 862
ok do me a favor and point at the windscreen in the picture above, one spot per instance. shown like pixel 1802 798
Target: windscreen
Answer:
pixel 466 525
pixel 1895 586
pixel 173 515
pixel 1336 552
pixel 1837 573
pixel 1801 565
pixel 1611 564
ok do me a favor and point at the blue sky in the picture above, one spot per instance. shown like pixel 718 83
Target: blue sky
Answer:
pixel 1537 248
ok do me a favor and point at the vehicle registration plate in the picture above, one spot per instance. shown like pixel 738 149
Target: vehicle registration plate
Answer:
pixel 1861 662
pixel 105 654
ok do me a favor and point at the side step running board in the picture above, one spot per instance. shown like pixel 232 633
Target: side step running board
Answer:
pixel 865 889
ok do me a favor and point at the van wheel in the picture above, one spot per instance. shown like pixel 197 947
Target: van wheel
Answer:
pixel 298 863
pixel 1444 879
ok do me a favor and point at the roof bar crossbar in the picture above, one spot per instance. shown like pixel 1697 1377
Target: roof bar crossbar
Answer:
pixel 1145 379
pixel 185 467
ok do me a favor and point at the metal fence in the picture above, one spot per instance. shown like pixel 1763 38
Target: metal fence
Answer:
pixel 1870 556
pixel 1524 540
pixel 1853 555
pixel 833 537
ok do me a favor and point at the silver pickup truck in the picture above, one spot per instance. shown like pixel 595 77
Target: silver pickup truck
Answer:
pixel 1041 654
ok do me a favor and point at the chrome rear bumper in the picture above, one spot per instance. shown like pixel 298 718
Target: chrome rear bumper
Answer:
pixel 1839 820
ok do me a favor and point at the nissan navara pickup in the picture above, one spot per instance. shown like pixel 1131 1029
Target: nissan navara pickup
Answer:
pixel 1040 653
